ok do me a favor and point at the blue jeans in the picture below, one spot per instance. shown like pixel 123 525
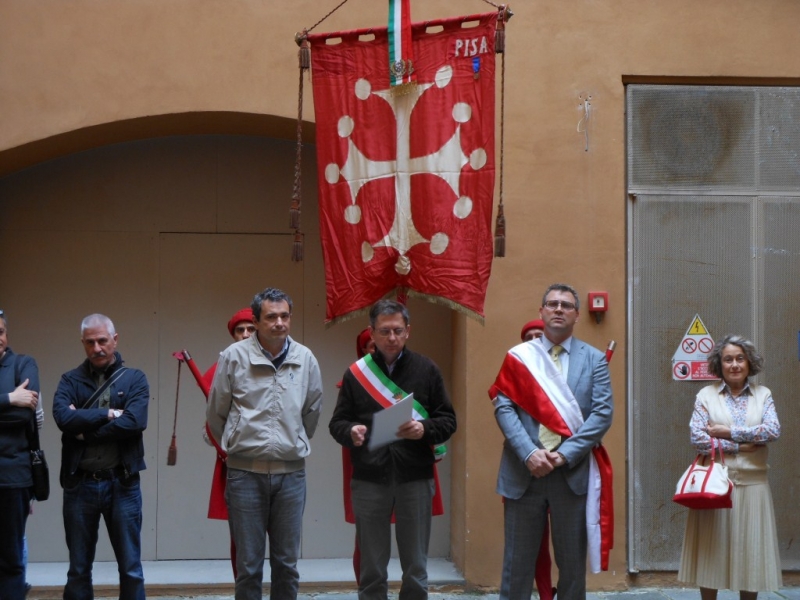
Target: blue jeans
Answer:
pixel 14 509
pixel 120 504
pixel 259 504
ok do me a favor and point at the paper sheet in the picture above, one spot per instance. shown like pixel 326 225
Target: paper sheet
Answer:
pixel 386 422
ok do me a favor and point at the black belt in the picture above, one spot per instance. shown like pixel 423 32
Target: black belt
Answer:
pixel 103 474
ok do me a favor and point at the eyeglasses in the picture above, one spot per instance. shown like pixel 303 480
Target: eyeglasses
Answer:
pixel 398 332
pixel 556 304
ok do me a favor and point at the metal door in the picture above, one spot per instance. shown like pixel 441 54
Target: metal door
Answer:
pixel 714 230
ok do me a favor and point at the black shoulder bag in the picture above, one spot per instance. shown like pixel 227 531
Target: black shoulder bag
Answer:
pixel 39 469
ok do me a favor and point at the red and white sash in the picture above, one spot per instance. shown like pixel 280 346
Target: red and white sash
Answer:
pixel 530 379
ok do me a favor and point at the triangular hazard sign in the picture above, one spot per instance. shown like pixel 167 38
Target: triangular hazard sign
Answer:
pixel 697 327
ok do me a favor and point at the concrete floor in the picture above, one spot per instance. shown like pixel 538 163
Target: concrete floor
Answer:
pixel 204 577
pixel 320 579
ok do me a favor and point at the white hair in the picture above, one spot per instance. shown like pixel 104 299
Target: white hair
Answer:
pixel 98 320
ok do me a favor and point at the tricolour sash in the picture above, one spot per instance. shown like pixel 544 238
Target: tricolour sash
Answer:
pixel 386 392
pixel 530 379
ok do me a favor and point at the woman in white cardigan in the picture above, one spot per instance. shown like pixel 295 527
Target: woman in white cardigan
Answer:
pixel 737 548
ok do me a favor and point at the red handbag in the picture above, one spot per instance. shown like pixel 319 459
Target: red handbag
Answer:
pixel 705 486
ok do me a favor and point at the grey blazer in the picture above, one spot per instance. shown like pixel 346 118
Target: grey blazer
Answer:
pixel 589 380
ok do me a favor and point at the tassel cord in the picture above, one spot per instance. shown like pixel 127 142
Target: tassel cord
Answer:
pixel 342 3
pixel 500 226
pixel 294 212
pixel 305 63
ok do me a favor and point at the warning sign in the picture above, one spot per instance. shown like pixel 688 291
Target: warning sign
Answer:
pixel 689 363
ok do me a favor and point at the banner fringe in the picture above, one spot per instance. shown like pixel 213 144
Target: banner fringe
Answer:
pixel 413 294
pixel 448 304
pixel 348 317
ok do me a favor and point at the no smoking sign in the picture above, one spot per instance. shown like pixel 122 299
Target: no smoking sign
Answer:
pixel 690 361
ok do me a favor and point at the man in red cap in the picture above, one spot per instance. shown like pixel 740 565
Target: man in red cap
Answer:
pixel 241 327
pixel 532 330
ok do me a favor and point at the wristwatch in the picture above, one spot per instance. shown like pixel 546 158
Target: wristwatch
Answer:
pixel 117 413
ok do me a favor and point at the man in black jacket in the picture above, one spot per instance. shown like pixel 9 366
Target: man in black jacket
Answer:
pixel 101 409
pixel 19 397
pixel 399 476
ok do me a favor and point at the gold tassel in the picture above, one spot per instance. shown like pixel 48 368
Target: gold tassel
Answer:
pixel 499 40
pixel 294 213
pixel 500 234
pixel 500 32
pixel 297 247
pixel 304 54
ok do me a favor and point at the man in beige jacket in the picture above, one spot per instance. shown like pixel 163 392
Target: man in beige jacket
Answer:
pixel 263 408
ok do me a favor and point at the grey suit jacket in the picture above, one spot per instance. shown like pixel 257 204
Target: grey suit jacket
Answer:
pixel 589 380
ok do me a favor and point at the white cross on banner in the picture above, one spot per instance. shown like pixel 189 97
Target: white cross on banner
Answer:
pixel 406 175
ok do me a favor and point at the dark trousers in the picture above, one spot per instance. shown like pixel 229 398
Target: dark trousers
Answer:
pixel 525 521
pixel 14 509
pixel 373 504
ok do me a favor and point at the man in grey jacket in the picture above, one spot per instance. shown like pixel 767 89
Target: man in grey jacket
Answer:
pixel 263 408
pixel 553 403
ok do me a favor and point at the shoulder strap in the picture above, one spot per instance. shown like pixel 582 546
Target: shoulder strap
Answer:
pixel 99 391
pixel 32 433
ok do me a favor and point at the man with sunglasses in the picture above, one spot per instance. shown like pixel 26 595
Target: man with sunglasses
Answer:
pixel 399 476
pixel 553 403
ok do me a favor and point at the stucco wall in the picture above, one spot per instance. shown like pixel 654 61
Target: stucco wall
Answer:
pixel 75 65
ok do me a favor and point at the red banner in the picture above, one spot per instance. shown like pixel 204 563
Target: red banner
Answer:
pixel 406 175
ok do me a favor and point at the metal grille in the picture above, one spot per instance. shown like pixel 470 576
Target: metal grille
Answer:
pixel 779 137
pixel 779 318
pixel 712 237
pixel 685 137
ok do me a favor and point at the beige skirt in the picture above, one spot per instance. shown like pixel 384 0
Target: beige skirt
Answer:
pixel 734 549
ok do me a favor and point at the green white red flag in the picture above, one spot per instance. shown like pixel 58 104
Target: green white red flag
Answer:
pixel 401 53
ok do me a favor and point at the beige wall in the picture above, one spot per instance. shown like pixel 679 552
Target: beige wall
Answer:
pixel 169 237
pixel 78 73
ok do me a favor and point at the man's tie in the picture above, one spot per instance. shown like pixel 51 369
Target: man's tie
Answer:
pixel 549 439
